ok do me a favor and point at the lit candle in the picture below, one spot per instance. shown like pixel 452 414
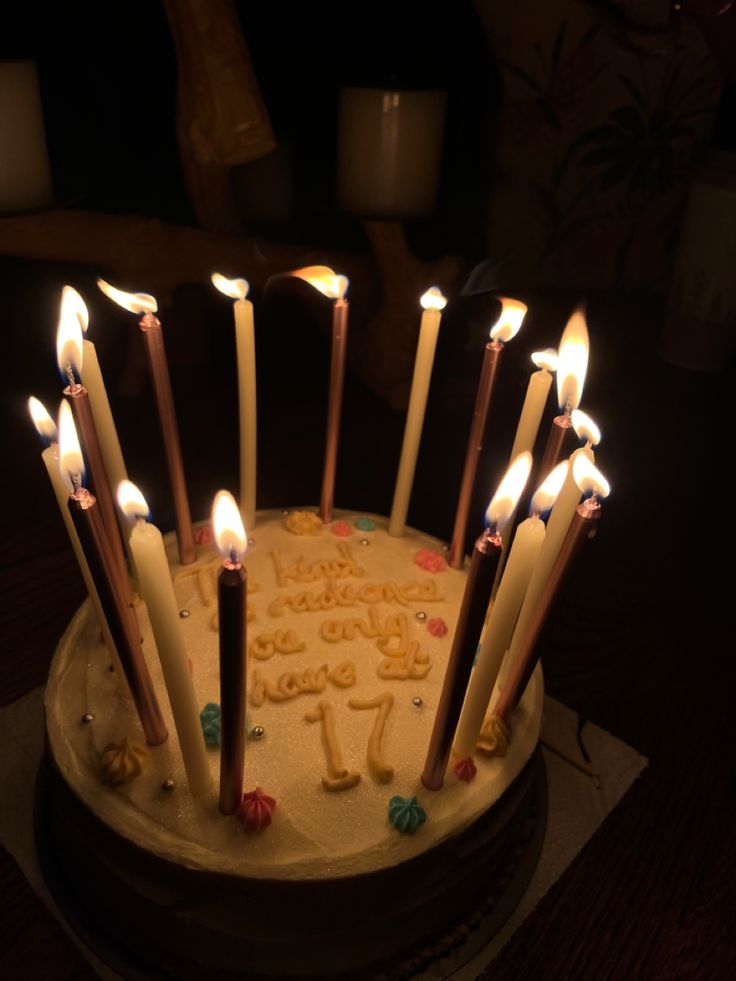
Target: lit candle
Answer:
pixel 88 524
pixel 504 611
pixel 433 303
pixel 46 429
pixel 91 374
pixel 157 591
pixel 69 350
pixel 150 327
pixel 232 582
pixel 486 553
pixel 245 344
pixel 328 283
pixel 507 326
pixel 557 527
pixel 571 369
pixel 582 527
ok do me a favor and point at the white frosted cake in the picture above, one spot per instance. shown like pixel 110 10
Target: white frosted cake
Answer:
pixel 348 628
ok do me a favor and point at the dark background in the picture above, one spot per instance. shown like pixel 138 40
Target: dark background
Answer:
pixel 641 641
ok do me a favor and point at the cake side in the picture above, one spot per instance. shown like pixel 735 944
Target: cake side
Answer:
pixel 346 615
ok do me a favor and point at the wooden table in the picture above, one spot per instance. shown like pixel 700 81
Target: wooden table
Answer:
pixel 640 643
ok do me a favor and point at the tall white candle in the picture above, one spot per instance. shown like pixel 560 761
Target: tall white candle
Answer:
pixel 157 590
pixel 535 400
pixel 47 430
pixel 527 544
pixel 557 527
pixel 25 174
pixel 237 289
pixel 433 302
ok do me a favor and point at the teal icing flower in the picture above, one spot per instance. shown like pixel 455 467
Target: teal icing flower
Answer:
pixel 406 814
pixel 209 718
pixel 365 524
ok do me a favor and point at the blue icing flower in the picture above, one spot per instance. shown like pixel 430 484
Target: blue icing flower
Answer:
pixel 406 814
pixel 365 524
pixel 209 717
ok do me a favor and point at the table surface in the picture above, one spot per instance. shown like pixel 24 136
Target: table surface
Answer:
pixel 636 644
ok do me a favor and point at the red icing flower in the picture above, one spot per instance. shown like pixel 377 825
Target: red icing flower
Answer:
pixel 437 627
pixel 430 561
pixel 203 535
pixel 255 810
pixel 465 769
pixel 342 528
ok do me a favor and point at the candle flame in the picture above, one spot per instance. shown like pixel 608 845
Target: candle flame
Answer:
pixel 324 279
pixel 588 477
pixel 45 425
pixel 73 303
pixel 227 525
pixel 236 289
pixel 132 302
pixel 433 299
pixel 71 460
pixel 546 494
pixel 573 361
pixel 72 314
pixel 547 359
pixel 130 500
pixel 585 428
pixel 504 501
pixel 509 320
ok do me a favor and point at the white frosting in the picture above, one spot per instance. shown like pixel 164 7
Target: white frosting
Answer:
pixel 315 833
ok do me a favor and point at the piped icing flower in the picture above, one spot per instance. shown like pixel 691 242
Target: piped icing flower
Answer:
pixel 437 627
pixel 342 529
pixel 203 535
pixel 123 761
pixel 304 523
pixel 365 524
pixel 430 561
pixel 494 737
pixel 255 810
pixel 465 769
pixel 209 717
pixel 406 814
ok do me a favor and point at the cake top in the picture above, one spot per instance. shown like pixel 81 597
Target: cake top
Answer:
pixel 349 631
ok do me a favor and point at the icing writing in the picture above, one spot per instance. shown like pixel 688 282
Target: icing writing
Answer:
pixel 301 571
pixel 413 664
pixel 338 776
pixel 265 646
pixel 347 594
pixel 392 633
pixel 384 703
pixel 293 683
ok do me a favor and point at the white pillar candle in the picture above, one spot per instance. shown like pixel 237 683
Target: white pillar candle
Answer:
pixel 433 303
pixel 157 590
pixel 245 345
pixel 25 174
pixel 505 608
pixel 535 400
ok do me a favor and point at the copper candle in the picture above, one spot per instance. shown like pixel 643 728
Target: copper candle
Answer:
pixel 69 349
pixel 508 324
pixel 560 443
pixel 232 590
pixel 486 555
pixel 584 526
pixel 150 327
pixel 88 524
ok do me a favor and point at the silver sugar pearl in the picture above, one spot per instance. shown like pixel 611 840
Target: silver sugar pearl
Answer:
pixel 251 541
pixel 87 718
pixel 257 732
pixel 445 548
pixel 421 616
pixel 168 785
pixel 365 541
pixel 285 511
pixel 183 614
pixel 417 701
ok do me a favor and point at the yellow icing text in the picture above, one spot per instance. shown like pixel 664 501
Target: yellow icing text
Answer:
pixel 293 683
pixel 346 594
pixel 301 571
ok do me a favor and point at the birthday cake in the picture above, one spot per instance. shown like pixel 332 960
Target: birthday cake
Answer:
pixel 340 861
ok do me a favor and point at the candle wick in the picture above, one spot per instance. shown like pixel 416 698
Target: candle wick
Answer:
pixel 233 556
pixel 568 408
pixel 76 481
pixel 69 372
